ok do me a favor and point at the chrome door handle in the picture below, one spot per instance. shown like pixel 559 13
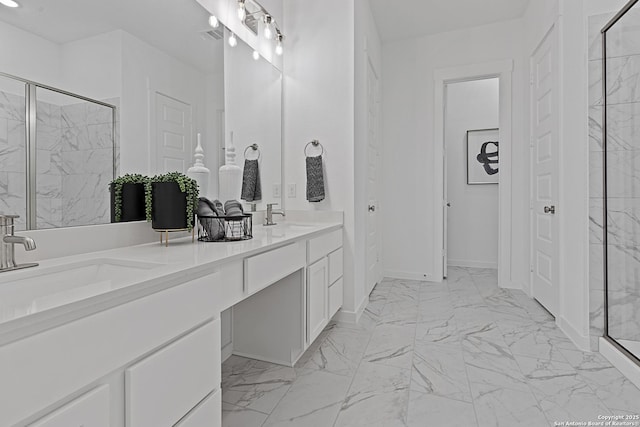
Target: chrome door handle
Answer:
pixel 372 208
pixel 550 209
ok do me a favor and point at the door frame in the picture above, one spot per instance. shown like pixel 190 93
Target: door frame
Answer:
pixel 502 70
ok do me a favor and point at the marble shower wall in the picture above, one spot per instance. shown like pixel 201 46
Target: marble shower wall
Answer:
pixel 12 155
pixel 74 161
pixel 623 176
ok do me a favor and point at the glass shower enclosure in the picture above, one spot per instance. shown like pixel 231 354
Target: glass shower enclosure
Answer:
pixel 621 157
pixel 57 155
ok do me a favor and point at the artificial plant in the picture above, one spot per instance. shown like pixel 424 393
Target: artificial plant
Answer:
pixel 187 185
pixel 116 186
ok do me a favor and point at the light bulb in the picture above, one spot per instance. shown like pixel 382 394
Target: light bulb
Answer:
pixel 9 3
pixel 279 49
pixel 213 21
pixel 256 55
pixel 267 27
pixel 232 40
pixel 242 12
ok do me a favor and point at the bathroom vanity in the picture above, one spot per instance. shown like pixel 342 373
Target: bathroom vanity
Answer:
pixel 132 336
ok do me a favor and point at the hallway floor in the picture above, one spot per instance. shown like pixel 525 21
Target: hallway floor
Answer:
pixel 459 353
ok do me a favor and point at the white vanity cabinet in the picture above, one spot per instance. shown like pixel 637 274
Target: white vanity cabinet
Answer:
pixel 324 281
pixel 150 359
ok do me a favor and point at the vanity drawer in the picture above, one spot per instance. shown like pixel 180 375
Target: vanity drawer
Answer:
pixel 164 387
pixel 335 265
pixel 321 246
pixel 90 409
pixel 335 297
pixel 265 269
pixel 207 413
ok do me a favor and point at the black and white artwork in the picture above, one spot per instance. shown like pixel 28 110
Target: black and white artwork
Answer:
pixel 482 156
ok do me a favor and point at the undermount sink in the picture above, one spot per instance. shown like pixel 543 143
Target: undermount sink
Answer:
pixel 297 226
pixel 31 291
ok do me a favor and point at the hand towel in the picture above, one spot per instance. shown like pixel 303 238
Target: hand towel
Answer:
pixel 251 189
pixel 212 227
pixel 315 179
pixel 233 208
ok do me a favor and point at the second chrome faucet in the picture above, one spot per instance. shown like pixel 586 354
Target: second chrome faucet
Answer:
pixel 268 220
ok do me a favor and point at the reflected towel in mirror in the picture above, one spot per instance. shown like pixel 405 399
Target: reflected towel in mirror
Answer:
pixel 315 179
pixel 251 189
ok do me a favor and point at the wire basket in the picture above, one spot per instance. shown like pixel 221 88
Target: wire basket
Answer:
pixel 225 228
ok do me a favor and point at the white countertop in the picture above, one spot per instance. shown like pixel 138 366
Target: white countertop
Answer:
pixel 25 311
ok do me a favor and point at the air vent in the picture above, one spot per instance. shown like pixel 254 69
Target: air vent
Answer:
pixel 215 34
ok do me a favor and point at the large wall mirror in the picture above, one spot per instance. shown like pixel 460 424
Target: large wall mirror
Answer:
pixel 94 89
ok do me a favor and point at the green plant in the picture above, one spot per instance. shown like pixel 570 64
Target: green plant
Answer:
pixel 117 184
pixel 187 185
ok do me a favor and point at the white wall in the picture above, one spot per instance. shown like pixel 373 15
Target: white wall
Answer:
pixel 408 129
pixel 319 104
pixel 473 216
pixel 146 70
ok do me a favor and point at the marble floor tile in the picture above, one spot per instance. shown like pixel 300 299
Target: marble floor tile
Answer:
pixel 312 401
pixel 235 416
pixel 259 388
pixel 562 393
pixel 340 352
pixel 439 369
pixel 497 406
pixel 391 345
pixel 431 410
pixel 459 353
pixel 379 396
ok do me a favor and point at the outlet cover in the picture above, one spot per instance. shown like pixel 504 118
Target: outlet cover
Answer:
pixel 276 190
pixel 291 191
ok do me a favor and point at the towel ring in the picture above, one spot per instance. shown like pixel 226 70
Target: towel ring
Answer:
pixel 255 148
pixel 315 143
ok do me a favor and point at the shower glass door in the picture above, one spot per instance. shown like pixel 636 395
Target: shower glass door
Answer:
pixel 621 104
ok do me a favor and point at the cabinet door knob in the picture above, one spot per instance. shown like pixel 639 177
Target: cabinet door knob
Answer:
pixel 550 209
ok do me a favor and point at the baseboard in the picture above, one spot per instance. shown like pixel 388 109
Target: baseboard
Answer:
pixel 471 264
pixel 264 359
pixel 226 351
pixel 620 361
pixel 513 285
pixel 406 275
pixel 345 316
pixel 583 342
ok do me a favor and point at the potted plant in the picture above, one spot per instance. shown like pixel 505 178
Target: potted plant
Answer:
pixel 128 198
pixel 171 201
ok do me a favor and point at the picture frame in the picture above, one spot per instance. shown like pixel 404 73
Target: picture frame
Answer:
pixel 482 156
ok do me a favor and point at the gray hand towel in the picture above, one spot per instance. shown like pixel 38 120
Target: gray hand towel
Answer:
pixel 251 189
pixel 315 179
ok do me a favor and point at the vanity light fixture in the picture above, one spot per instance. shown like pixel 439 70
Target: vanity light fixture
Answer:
pixel 268 33
pixel 279 38
pixel 9 3
pixel 256 55
pixel 242 11
pixel 214 22
pixel 233 41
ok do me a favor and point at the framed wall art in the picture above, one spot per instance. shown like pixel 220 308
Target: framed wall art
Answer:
pixel 482 156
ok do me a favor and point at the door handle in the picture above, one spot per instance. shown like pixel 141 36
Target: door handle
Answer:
pixel 372 208
pixel 550 209
pixel 448 205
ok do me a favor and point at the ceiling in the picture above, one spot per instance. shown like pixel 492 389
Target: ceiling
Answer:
pixel 174 26
pixel 413 18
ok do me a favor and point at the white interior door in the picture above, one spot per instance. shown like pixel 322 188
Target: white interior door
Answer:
pixel 544 167
pixel 373 166
pixel 173 133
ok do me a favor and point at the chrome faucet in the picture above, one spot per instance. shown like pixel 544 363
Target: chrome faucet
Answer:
pixel 270 212
pixel 7 252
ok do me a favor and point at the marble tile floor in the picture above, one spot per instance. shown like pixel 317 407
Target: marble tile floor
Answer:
pixel 459 353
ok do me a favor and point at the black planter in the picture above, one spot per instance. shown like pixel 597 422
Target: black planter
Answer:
pixel 132 203
pixel 168 206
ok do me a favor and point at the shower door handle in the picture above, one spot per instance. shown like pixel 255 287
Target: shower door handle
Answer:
pixel 550 209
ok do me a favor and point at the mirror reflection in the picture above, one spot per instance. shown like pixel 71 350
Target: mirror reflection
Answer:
pixel 170 77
